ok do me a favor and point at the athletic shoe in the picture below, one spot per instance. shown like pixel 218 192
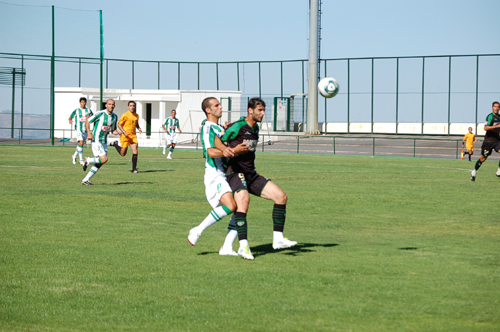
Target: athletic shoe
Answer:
pixel 497 174
pixel 74 159
pixel 229 252
pixel 164 151
pixel 85 165
pixel 245 252
pixel 193 236
pixel 113 143
pixel 81 162
pixel 87 183
pixel 135 171
pixel 285 243
pixel 473 178
pixel 168 157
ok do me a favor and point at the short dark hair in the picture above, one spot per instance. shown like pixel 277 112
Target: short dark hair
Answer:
pixel 206 103
pixel 131 102
pixel 495 102
pixel 255 101
pixel 83 98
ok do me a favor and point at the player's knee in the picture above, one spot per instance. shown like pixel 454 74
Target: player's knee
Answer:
pixel 282 199
pixel 231 205
pixel 104 159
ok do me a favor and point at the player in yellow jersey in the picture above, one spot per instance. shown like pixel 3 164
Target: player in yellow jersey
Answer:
pixel 469 140
pixel 128 123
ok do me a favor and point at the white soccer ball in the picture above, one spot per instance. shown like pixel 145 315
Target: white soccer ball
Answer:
pixel 328 87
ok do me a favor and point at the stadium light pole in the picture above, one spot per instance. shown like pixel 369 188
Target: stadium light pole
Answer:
pixel 312 107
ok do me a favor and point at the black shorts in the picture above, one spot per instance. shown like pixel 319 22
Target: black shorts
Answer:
pixel 488 146
pixel 252 182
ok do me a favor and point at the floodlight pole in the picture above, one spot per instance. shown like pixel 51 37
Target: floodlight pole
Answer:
pixel 52 81
pixel 101 59
pixel 312 107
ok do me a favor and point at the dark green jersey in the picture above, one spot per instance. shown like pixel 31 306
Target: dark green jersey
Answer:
pixel 492 120
pixel 240 132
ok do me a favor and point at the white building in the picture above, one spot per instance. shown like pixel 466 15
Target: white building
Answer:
pixel 153 107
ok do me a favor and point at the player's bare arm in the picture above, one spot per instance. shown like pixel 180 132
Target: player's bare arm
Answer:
pixel 121 129
pixel 70 121
pixel 491 127
pixel 139 128
pixel 87 126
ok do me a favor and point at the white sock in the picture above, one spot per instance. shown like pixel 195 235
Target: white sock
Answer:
pixel 93 160
pixel 90 174
pixel 215 215
pixel 76 152
pixel 473 173
pixel 79 150
pixel 243 243
pixel 498 171
pixel 230 238
pixel 277 236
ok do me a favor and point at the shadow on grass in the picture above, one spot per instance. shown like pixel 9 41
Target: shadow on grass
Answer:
pixel 265 249
pixel 408 248
pixel 122 183
pixel 155 171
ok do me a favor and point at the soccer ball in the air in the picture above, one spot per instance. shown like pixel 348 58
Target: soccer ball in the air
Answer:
pixel 328 87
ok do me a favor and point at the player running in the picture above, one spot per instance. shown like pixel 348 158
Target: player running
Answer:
pixel 127 124
pixel 217 190
pixel 79 117
pixel 491 139
pixel 104 122
pixel 244 180
pixel 170 126
pixel 470 138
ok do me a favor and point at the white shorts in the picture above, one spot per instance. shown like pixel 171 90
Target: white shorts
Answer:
pixel 99 149
pixel 81 136
pixel 215 187
pixel 171 138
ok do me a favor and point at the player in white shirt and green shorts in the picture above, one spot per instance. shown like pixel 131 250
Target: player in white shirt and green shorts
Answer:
pixel 170 126
pixel 217 190
pixel 104 122
pixel 79 117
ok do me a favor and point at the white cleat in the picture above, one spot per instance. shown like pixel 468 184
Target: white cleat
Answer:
pixel 285 243
pixel 193 236
pixel 74 160
pixel 245 252
pixel 164 151
pixel 168 157
pixel 230 252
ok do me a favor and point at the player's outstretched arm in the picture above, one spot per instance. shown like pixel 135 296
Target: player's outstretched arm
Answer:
pixel 226 151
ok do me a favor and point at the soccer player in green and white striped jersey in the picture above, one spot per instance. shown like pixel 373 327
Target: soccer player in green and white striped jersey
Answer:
pixel 104 122
pixel 79 117
pixel 170 126
pixel 217 190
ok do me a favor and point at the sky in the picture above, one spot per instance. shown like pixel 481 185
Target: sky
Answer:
pixel 270 30
pixel 235 30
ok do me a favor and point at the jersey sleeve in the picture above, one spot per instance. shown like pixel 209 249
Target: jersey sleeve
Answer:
pixel 72 114
pixel 208 137
pixel 489 120
pixel 90 113
pixel 93 118
pixel 231 133
pixel 123 119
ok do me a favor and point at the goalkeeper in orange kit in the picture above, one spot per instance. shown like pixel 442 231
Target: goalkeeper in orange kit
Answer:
pixel 128 123
pixel 469 139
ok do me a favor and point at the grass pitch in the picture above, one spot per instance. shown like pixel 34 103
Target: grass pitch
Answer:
pixel 385 244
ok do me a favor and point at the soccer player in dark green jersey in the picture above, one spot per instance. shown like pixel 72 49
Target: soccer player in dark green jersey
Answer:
pixel 491 139
pixel 244 180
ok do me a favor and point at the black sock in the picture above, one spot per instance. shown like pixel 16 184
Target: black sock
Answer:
pixel 478 164
pixel 240 219
pixel 118 147
pixel 279 215
pixel 134 162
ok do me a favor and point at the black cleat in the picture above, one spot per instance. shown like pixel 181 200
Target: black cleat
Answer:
pixel 85 165
pixel 472 178
pixel 87 183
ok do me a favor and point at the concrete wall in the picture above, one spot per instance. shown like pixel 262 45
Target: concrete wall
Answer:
pixel 403 128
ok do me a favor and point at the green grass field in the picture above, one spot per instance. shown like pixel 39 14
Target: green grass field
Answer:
pixel 385 244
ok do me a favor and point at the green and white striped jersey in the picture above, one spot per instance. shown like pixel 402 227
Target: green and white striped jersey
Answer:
pixel 208 133
pixel 79 117
pixel 171 125
pixel 103 125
